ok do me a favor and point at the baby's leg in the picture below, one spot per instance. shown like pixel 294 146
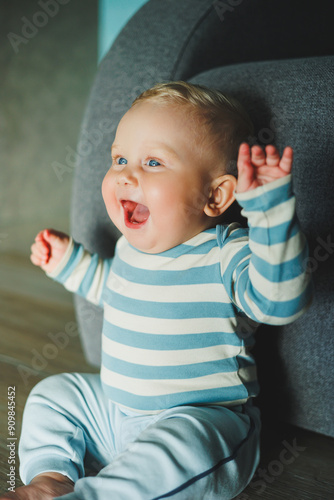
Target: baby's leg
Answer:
pixel 65 417
pixel 188 453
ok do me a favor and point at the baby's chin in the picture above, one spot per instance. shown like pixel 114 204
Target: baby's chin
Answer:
pixel 151 245
pixel 145 243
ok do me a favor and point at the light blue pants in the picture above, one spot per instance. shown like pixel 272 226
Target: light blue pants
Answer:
pixel 187 452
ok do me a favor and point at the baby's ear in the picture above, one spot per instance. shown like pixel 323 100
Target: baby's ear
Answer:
pixel 221 195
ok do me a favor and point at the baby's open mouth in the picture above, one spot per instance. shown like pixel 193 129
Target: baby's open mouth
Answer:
pixel 135 214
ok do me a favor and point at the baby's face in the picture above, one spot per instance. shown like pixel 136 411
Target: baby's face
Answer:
pixel 158 184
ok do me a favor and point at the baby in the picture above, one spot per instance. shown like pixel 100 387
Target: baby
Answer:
pixel 171 414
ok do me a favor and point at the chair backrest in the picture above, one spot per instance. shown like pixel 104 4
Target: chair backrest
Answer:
pixel 291 103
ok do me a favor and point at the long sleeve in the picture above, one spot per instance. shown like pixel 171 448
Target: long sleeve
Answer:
pixel 83 273
pixel 265 272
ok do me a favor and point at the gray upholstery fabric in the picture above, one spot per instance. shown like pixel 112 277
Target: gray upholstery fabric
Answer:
pixel 178 40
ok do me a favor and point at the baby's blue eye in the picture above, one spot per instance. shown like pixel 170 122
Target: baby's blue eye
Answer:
pixel 153 163
pixel 121 161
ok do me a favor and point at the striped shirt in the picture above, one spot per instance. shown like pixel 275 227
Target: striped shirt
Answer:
pixel 178 325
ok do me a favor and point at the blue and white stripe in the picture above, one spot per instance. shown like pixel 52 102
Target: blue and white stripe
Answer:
pixel 174 323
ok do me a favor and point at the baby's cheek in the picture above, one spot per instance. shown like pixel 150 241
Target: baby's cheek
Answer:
pixel 108 194
pixel 108 188
pixel 103 188
pixel 168 206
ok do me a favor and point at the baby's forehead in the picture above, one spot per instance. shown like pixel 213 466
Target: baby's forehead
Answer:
pixel 183 115
pixel 179 126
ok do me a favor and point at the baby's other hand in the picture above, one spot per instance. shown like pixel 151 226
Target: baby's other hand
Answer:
pixel 48 249
pixel 257 167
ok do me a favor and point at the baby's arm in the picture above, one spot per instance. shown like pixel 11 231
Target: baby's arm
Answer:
pixel 48 249
pixel 257 167
pixel 265 273
pixel 69 263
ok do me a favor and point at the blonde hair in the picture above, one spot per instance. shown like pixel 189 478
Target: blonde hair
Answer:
pixel 225 118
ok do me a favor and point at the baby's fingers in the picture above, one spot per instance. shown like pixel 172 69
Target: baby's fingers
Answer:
pixel 273 156
pixel 55 239
pixel 40 253
pixel 244 155
pixel 286 160
pixel 245 168
pixel 40 236
pixel 258 156
pixel 37 260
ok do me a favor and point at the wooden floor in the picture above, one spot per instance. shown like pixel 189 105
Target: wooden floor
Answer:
pixel 295 464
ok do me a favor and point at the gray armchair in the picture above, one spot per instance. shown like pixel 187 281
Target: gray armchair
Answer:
pixel 276 58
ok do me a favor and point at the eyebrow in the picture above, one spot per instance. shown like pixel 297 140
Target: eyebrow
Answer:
pixel 164 147
pixel 156 147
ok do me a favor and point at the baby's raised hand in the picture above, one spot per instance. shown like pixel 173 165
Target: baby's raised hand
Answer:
pixel 257 167
pixel 48 249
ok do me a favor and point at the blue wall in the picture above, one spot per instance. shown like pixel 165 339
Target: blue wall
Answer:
pixel 112 17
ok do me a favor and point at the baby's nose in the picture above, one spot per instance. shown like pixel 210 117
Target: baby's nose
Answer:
pixel 128 175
